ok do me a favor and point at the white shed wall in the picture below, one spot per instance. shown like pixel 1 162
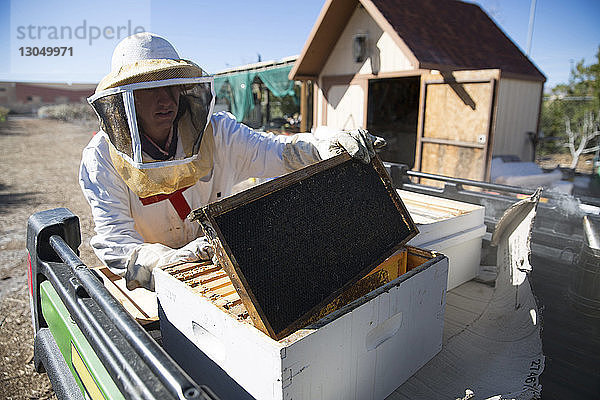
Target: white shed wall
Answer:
pixel 345 109
pixel 517 113
pixel 385 55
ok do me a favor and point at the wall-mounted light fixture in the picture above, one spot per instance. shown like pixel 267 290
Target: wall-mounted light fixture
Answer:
pixel 360 50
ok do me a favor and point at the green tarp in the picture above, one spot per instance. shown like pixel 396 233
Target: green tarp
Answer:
pixel 239 90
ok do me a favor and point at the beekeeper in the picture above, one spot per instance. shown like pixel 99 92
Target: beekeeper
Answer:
pixel 161 153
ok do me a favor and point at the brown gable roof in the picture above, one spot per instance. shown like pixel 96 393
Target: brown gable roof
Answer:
pixel 440 34
pixel 449 33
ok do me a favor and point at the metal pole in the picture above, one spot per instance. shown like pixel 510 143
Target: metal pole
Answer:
pixel 530 30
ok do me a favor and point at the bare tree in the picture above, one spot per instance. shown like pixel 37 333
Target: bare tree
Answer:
pixel 586 131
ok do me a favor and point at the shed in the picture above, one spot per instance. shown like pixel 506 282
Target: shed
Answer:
pixel 437 78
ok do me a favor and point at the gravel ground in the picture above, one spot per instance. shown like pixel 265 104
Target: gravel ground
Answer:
pixel 39 160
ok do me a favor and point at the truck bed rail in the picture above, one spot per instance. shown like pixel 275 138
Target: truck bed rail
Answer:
pixel 139 367
pixel 558 227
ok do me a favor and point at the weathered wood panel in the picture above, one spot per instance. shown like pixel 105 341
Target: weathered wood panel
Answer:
pixel 458 111
pixel 457 161
pixel 456 123
pixel 139 303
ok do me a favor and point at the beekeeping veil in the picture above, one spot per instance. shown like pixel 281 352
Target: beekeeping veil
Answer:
pixel 147 61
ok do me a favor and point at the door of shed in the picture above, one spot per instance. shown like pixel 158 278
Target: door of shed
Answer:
pixel 364 350
pixel 456 124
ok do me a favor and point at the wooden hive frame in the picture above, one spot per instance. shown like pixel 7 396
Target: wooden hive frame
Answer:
pixel 209 215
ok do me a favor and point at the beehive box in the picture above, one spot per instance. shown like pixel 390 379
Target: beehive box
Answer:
pixel 336 219
pixel 362 350
pixel 451 227
pixel 303 303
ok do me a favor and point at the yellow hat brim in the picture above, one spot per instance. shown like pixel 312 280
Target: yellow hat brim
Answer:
pixel 149 70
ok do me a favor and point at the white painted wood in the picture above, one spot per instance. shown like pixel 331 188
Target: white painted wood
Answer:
pixel 384 53
pixel 450 227
pixel 318 108
pixel 363 351
pixel 244 352
pixel 465 256
pixel 345 108
pixel 391 58
pixel 518 108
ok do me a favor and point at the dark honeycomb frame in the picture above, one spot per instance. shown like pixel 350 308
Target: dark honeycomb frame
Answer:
pixel 293 244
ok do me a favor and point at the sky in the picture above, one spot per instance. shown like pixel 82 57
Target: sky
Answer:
pixel 223 34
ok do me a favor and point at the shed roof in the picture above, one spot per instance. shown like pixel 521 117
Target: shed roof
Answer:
pixel 261 65
pixel 434 34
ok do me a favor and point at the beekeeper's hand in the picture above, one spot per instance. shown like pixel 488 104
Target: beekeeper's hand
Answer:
pixel 359 143
pixel 148 256
pixel 196 250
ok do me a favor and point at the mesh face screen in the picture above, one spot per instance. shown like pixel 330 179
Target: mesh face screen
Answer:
pixel 196 100
pixel 300 244
pixel 113 120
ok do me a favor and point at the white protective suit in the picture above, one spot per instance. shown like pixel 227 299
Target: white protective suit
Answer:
pixel 124 225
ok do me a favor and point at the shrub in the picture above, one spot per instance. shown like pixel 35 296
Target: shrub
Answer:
pixel 3 113
pixel 67 112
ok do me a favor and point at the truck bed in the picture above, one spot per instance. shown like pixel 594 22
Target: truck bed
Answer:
pixel 570 338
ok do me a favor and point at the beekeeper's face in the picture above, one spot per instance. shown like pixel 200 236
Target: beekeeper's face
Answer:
pixel 156 109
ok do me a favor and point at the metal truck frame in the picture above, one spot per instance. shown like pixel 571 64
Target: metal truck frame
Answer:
pixel 84 339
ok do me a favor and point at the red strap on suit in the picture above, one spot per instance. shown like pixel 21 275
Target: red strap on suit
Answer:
pixel 176 199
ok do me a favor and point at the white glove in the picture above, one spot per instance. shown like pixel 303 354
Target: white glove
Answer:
pixel 359 143
pixel 304 148
pixel 148 256
pixel 197 249
pixel 300 151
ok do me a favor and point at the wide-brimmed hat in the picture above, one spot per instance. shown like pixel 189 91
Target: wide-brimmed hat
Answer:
pixel 145 57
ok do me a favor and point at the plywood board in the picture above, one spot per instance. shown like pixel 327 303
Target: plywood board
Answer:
pixel 291 245
pixel 139 303
pixel 456 161
pixel 458 112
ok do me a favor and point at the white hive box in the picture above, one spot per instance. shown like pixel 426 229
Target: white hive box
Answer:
pixel 364 350
pixel 451 227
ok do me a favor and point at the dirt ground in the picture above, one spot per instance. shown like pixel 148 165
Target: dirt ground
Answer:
pixel 39 161
pixel 584 164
